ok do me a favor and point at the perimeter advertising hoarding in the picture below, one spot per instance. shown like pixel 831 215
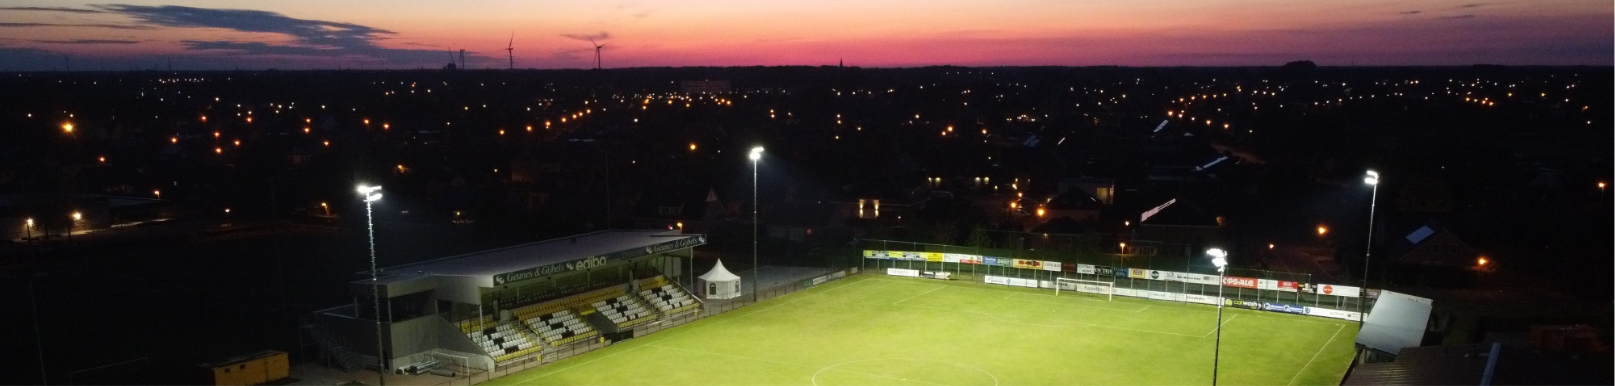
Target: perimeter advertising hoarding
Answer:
pixel 1194 278
pixel 1202 299
pixel 1277 285
pixel 1334 290
pixel 1242 304
pixel 1285 308
pixel 1085 268
pixel 1101 270
pixel 1137 273
pixel 1051 266
pixel 902 272
pixel 1028 264
pixel 1241 282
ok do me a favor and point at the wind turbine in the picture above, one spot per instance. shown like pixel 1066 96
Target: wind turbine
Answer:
pixel 597 47
pixel 510 50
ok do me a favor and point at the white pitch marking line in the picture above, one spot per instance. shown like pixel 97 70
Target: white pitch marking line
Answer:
pixel 938 287
pixel 1224 323
pixel 1067 325
pixel 1315 355
pixel 1146 307
pixel 1011 296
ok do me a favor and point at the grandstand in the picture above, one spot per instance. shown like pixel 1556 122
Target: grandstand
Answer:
pixel 517 305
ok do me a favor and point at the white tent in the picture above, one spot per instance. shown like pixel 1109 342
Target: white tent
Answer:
pixel 720 284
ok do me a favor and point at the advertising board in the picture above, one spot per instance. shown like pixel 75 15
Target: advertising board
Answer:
pixel 1241 282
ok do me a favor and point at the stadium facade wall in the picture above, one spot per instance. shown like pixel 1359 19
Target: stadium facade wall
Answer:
pixel 417 335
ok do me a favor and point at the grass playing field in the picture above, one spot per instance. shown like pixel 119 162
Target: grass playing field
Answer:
pixel 880 330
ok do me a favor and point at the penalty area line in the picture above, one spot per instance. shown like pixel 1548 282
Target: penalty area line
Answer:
pixel 1315 355
pixel 938 287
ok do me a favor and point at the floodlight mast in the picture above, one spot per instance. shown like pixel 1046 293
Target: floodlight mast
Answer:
pixel 1372 179
pixel 1219 258
pixel 755 156
pixel 372 194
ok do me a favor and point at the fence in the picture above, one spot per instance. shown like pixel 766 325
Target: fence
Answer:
pixel 1157 276
pixel 709 309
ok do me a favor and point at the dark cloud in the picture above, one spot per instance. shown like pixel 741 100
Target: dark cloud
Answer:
pixel 307 32
pixel 1409 12
pixel 1474 5
pixel 111 26
pixel 310 38
pixel 599 36
pixel 49 9
pixel 87 41
pixel 1458 17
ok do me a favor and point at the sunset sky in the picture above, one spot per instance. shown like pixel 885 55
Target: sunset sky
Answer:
pixel 295 34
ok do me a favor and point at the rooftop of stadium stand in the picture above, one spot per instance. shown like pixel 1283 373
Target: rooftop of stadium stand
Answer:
pixel 531 255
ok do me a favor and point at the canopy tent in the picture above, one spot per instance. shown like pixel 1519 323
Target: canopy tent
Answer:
pixel 720 284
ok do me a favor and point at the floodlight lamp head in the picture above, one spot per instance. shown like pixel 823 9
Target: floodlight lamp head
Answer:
pixel 1217 253
pixel 370 193
pixel 756 153
pixel 1371 180
pixel 1220 262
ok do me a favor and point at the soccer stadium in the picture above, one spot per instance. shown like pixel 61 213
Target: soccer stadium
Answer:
pixel 631 307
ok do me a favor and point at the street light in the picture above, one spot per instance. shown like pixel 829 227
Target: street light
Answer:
pixel 1372 179
pixel 755 156
pixel 75 224
pixel 30 229
pixel 1219 258
pixel 372 194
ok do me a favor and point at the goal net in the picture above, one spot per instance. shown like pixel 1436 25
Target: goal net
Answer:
pixel 1088 286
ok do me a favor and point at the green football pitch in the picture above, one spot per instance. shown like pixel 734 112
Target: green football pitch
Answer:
pixel 880 330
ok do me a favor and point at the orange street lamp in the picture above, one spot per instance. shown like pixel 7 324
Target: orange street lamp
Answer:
pixel 1322 230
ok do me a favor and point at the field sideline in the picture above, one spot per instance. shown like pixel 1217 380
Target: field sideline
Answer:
pixel 879 330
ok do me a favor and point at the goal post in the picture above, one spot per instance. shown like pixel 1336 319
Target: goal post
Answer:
pixel 1088 286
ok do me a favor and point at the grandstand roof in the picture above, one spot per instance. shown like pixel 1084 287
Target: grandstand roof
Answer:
pixel 539 259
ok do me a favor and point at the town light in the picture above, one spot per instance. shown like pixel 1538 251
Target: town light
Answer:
pixel 1322 230
pixel 67 127
pixel 1481 261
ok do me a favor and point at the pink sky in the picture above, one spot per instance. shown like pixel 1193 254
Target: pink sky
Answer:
pixel 413 33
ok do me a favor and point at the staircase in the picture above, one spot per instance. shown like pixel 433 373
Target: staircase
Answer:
pixel 334 347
